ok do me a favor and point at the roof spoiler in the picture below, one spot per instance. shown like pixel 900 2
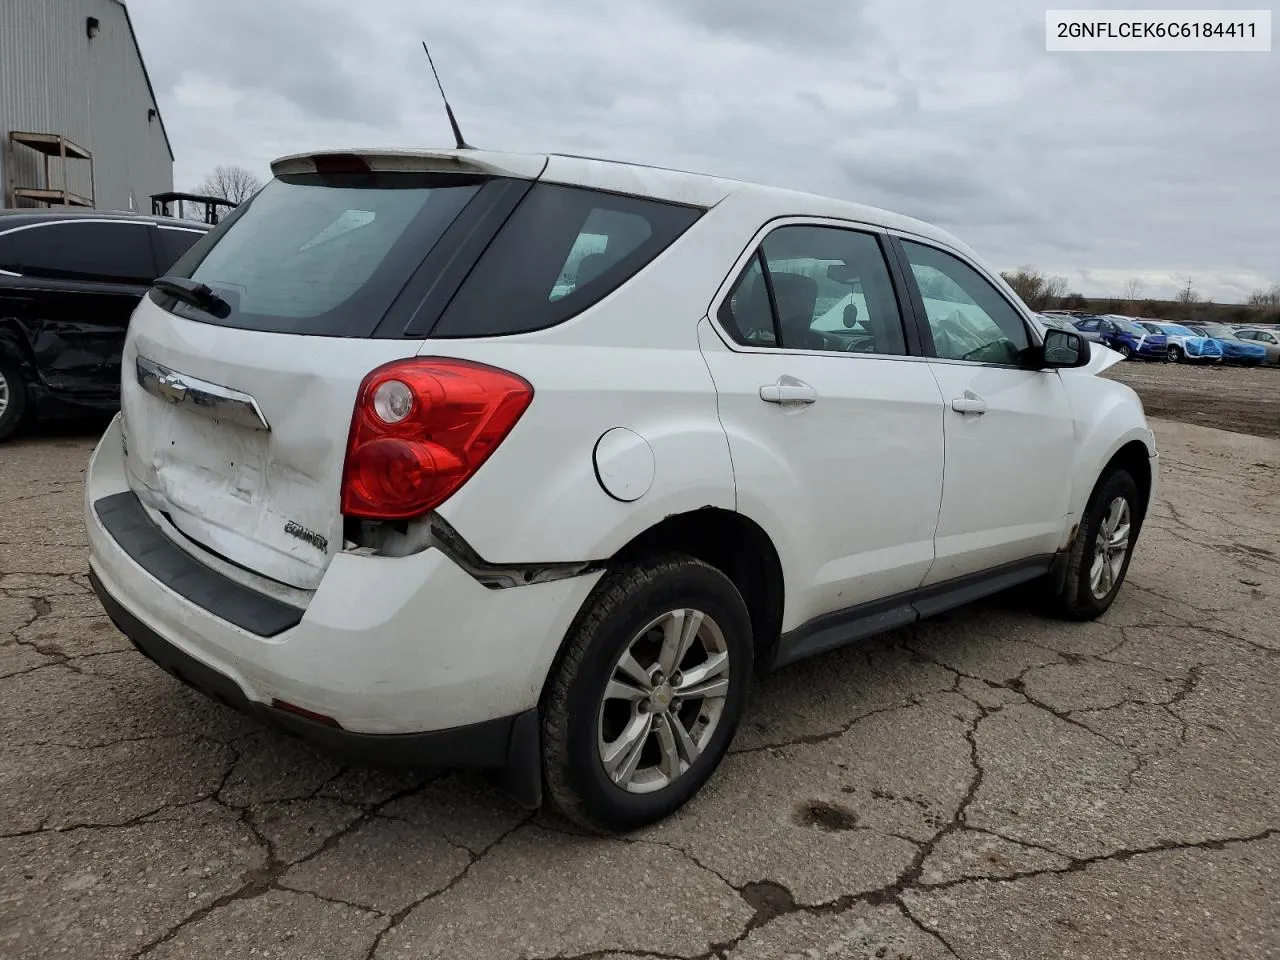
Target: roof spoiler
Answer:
pixel 489 163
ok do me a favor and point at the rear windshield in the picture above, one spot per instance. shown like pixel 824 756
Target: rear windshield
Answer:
pixel 322 255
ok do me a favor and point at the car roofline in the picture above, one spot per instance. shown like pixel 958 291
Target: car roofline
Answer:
pixel 626 177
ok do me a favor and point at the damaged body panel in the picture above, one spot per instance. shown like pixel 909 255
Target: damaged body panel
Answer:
pixel 69 283
pixel 380 539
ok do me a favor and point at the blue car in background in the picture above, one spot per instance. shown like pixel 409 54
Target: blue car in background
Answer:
pixel 1234 350
pixel 1185 344
pixel 1125 337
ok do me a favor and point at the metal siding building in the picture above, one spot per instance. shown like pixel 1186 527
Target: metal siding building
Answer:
pixel 55 79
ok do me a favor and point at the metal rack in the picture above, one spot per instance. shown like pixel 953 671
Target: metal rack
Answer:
pixel 52 146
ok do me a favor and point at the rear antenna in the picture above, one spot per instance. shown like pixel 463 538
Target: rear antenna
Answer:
pixel 453 122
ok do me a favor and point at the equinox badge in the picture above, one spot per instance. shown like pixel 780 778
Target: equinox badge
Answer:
pixel 300 532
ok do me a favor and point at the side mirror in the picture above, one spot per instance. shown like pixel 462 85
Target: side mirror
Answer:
pixel 1064 349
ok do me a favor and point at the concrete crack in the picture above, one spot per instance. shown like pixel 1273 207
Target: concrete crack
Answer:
pixel 924 928
pixel 1077 864
pixel 815 738
pixel 398 917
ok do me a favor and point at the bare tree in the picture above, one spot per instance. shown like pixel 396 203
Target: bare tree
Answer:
pixel 1265 298
pixel 1131 288
pixel 1035 289
pixel 233 183
pixel 1187 294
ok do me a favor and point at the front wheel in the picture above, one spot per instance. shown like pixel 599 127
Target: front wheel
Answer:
pixel 1099 557
pixel 13 399
pixel 1124 351
pixel 648 693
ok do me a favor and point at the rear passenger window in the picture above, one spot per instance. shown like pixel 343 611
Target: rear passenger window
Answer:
pixel 90 251
pixel 830 287
pixel 563 249
pixel 745 314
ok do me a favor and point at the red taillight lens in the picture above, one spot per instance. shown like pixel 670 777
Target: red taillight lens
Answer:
pixel 421 428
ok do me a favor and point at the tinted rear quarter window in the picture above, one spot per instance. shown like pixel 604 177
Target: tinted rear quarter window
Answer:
pixel 564 249
pixel 81 250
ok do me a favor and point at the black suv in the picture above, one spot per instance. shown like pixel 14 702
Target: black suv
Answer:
pixel 68 284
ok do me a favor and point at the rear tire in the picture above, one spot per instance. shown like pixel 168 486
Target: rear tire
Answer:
pixel 1175 355
pixel 13 399
pixel 1095 569
pixel 592 713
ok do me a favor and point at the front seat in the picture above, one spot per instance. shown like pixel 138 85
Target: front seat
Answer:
pixel 797 296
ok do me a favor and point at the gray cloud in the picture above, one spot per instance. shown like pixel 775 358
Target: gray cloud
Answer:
pixel 1098 167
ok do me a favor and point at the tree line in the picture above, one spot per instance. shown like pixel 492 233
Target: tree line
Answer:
pixel 1041 292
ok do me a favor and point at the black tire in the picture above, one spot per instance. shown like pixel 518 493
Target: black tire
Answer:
pixel 15 408
pixel 1175 354
pixel 618 609
pixel 1124 351
pixel 1076 600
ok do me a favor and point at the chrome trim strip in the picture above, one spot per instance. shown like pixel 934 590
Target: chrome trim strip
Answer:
pixel 200 396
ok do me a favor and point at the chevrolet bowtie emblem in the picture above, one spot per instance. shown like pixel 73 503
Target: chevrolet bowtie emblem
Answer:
pixel 171 388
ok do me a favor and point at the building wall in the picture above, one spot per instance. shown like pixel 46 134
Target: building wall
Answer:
pixel 54 79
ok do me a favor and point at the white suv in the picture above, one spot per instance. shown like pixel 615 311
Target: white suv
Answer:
pixel 528 462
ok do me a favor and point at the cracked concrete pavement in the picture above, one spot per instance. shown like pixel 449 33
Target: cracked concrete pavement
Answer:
pixel 991 784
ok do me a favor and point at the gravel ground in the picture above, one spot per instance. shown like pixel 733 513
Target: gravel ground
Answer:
pixel 987 785
pixel 1242 399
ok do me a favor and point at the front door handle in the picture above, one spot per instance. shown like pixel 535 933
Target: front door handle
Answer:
pixel 969 403
pixel 788 390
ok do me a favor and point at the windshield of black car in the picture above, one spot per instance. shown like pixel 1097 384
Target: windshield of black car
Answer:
pixel 323 255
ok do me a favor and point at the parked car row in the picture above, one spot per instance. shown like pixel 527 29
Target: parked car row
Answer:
pixel 69 281
pixel 1200 342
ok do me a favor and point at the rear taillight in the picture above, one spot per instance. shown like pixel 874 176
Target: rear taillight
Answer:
pixel 421 428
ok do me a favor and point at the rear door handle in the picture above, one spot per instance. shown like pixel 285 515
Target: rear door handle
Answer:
pixel 969 403
pixel 788 390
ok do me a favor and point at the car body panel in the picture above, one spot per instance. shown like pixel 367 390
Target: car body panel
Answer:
pixel 1124 335
pixel 852 533
pixel 1233 349
pixel 1189 346
pixel 65 333
pixel 1007 471
pixel 1268 339
pixel 852 493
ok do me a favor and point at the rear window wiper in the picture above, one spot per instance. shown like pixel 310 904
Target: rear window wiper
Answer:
pixel 196 294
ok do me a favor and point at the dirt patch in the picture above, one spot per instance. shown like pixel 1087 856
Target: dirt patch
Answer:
pixel 826 816
pixel 1239 399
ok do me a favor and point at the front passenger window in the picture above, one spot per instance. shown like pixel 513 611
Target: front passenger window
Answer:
pixel 968 318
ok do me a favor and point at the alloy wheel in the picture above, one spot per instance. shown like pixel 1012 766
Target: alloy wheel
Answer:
pixel 1110 548
pixel 664 701
pixel 4 393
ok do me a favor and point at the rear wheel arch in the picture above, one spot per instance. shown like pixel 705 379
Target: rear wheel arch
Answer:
pixel 735 545
pixel 728 541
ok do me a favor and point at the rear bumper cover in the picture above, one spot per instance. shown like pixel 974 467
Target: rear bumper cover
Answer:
pixel 509 744
pixel 415 660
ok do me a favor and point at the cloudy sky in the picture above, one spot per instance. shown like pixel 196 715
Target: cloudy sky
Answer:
pixel 1099 167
